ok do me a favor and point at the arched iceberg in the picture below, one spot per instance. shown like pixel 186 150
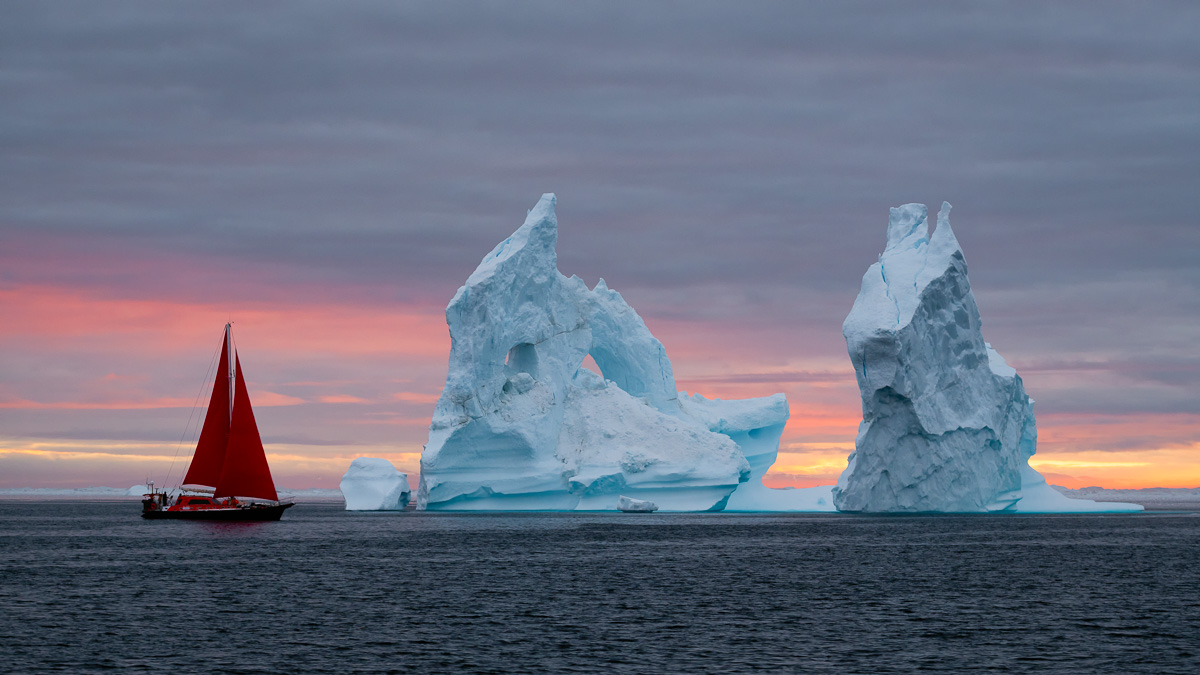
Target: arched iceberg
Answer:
pixel 522 425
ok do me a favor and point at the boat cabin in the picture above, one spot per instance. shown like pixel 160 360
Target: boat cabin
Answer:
pixel 189 503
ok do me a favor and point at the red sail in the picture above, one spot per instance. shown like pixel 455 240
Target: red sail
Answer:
pixel 210 449
pixel 245 473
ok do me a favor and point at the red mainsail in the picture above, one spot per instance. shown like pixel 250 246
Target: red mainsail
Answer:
pixel 245 472
pixel 214 436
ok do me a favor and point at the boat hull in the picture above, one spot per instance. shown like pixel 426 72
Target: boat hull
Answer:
pixel 241 514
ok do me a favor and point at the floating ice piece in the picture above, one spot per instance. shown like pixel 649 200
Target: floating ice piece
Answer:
pixel 630 505
pixel 947 425
pixel 374 484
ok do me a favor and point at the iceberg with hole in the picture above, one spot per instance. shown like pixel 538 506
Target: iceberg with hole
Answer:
pixel 374 484
pixel 522 424
pixel 947 425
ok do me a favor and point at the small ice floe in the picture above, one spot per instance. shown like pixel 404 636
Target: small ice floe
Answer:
pixel 374 484
pixel 631 505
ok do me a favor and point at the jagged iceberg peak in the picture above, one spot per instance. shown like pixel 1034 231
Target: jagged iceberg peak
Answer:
pixel 534 245
pixel 944 418
pixel 907 224
pixel 522 425
pixel 499 293
pixel 912 259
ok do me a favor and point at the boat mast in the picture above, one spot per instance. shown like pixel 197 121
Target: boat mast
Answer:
pixel 229 366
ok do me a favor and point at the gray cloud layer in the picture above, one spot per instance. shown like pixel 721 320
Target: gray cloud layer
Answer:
pixel 697 149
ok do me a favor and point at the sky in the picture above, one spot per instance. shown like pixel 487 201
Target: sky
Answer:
pixel 326 175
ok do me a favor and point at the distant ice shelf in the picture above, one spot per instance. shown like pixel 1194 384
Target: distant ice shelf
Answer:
pixel 136 492
pixel 1148 497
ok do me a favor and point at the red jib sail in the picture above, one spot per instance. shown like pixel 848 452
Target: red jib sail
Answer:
pixel 245 473
pixel 214 436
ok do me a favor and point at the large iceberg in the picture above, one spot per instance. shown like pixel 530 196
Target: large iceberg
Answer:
pixel 522 425
pixel 374 484
pixel 947 425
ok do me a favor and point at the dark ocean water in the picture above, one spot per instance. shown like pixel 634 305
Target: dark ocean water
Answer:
pixel 90 586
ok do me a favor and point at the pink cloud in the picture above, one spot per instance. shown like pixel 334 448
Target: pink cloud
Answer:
pixel 341 398
pixel 54 318
pixel 21 404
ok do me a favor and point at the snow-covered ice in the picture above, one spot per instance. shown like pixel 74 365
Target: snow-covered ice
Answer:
pixel 1038 497
pixel 631 505
pixel 947 425
pixel 374 484
pixel 521 425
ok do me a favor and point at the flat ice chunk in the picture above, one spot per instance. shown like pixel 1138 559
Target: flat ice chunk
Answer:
pixel 374 484
pixel 631 505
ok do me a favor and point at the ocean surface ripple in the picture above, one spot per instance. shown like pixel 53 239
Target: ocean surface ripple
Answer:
pixel 91 587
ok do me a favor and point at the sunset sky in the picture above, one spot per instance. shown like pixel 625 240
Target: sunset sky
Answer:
pixel 327 175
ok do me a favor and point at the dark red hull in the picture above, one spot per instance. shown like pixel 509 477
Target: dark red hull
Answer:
pixel 240 514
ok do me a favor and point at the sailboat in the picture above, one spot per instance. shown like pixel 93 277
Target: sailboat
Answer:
pixel 229 471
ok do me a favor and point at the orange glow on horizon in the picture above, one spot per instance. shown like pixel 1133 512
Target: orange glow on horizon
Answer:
pixel 296 467
pixel 1075 450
